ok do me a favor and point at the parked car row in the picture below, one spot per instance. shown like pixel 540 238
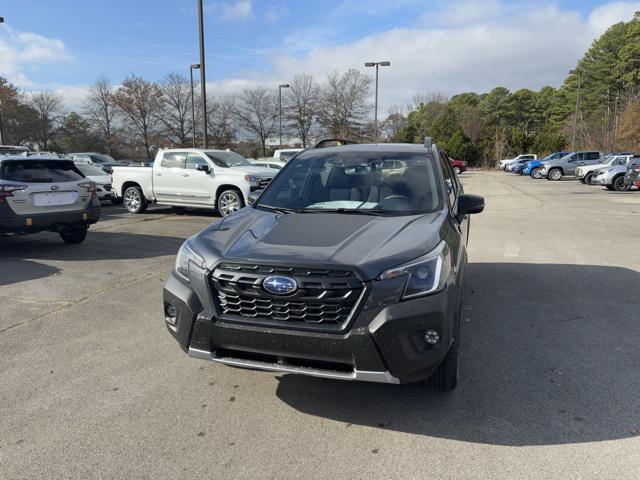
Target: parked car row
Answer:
pixel 615 171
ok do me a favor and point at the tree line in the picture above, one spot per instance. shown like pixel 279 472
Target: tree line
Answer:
pixel 597 107
pixel 138 116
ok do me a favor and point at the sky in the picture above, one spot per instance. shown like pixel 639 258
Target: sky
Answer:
pixel 433 45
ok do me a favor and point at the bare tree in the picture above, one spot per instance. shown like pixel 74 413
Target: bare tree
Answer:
pixel 175 109
pixel 473 122
pixel 48 106
pixel 420 99
pixel 394 124
pixel 256 111
pixel 302 101
pixel 221 123
pixel 101 110
pixel 139 100
pixel 344 106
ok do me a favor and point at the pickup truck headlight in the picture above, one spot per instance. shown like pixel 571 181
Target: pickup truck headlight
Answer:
pixel 253 181
pixel 425 275
pixel 187 255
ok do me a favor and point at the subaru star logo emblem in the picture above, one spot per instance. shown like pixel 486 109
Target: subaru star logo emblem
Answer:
pixel 55 187
pixel 279 285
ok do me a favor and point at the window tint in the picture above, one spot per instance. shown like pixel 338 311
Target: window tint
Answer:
pixel 40 171
pixel 173 159
pixel 593 156
pixel 228 159
pixel 193 160
pixel 449 180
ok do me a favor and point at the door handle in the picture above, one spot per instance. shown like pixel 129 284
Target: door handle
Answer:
pixel 185 174
pixel 158 174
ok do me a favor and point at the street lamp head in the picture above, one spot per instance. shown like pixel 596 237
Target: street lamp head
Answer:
pixel 1 19
pixel 194 65
pixel 385 64
pixel 370 64
pixel 283 85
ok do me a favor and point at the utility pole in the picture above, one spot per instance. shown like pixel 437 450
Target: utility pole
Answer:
pixel 280 87
pixel 203 81
pixel 193 106
pixel 375 120
pixel 575 115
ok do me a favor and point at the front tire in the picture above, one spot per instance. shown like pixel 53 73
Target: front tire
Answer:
pixel 555 174
pixel 535 173
pixel 588 177
pixel 445 378
pixel 619 186
pixel 73 234
pixel 134 200
pixel 229 201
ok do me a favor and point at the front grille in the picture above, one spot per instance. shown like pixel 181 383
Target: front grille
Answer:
pixel 325 299
pixel 262 184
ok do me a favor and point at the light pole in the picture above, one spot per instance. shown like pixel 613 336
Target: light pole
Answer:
pixel 575 115
pixel 280 87
pixel 1 143
pixel 375 121
pixel 193 106
pixel 203 81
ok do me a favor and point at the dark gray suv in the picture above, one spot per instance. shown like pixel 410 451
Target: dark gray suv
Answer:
pixel 343 268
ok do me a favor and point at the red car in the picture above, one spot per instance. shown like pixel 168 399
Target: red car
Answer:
pixel 458 166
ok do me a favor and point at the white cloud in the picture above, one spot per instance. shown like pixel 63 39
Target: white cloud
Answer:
pixel 475 50
pixel 275 14
pixel 24 52
pixel 240 10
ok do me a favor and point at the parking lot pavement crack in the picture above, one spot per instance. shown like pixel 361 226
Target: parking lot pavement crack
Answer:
pixel 73 303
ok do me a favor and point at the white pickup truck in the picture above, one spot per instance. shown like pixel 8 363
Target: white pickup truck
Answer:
pixel 190 177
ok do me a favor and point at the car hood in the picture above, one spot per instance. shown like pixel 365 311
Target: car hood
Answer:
pixel 253 170
pixel 370 244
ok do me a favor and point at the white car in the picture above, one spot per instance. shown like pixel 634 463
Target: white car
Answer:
pixel 101 178
pixel 191 177
pixel 286 154
pixel 503 163
pixel 268 163
pixel 586 173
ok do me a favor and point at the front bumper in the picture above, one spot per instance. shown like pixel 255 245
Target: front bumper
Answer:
pixel 385 342
pixel 10 222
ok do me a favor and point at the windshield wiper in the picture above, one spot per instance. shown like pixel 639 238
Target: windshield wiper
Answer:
pixel 347 211
pixel 281 210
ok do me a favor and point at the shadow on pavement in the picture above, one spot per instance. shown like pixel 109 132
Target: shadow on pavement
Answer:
pixel 19 255
pixel 550 356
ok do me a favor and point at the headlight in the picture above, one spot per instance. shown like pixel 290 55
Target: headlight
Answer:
pixel 254 181
pixel 425 275
pixel 187 255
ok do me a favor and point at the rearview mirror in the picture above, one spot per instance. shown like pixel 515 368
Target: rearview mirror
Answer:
pixel 204 168
pixel 254 196
pixel 469 204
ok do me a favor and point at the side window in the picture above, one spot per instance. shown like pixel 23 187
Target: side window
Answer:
pixel 593 156
pixel 173 160
pixel 193 160
pixel 450 181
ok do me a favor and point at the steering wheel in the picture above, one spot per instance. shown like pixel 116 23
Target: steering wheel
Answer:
pixel 397 202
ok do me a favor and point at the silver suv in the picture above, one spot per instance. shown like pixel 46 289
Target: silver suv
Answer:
pixel 556 169
pixel 46 194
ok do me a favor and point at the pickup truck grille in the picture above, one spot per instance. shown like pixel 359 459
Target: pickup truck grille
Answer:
pixel 262 184
pixel 325 299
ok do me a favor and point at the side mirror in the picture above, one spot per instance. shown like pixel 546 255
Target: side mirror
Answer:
pixel 204 168
pixel 469 204
pixel 254 196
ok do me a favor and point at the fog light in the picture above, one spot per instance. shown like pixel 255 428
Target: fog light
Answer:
pixel 432 337
pixel 171 314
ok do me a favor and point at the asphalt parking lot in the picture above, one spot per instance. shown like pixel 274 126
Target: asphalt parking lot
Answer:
pixel 92 386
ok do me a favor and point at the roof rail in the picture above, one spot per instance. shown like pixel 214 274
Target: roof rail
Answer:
pixel 333 142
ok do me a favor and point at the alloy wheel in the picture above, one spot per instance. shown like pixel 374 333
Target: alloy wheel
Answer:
pixel 229 203
pixel 132 199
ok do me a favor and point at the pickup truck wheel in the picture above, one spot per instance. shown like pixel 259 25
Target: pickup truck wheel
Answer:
pixel 230 201
pixel 73 234
pixel 134 200
pixel 535 173
pixel 554 174
pixel 588 177
pixel 619 186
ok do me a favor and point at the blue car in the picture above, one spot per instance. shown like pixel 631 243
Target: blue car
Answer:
pixel 532 168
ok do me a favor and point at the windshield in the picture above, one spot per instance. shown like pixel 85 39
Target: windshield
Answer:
pixel 102 158
pixel 284 156
pixel 228 159
pixel 90 170
pixel 356 182
pixel 39 171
